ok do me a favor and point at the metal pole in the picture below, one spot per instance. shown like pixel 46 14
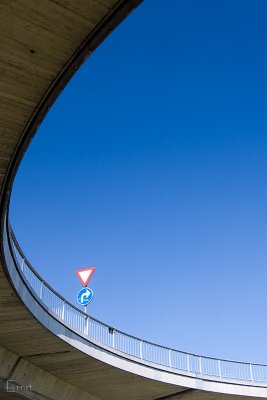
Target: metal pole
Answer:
pixel 200 365
pixel 113 338
pixel 22 265
pixel 220 368
pixel 85 321
pixel 141 349
pixel 251 373
pixel 41 290
pixel 63 310
pixel 170 358
pixel 86 326
pixel 188 364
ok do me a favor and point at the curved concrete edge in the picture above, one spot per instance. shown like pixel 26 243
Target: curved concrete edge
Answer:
pixel 113 358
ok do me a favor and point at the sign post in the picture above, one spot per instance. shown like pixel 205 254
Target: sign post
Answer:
pixel 85 295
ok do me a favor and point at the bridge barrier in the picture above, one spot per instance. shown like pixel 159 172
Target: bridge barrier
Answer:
pixel 177 361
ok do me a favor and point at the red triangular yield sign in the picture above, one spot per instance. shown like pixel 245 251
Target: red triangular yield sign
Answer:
pixel 85 274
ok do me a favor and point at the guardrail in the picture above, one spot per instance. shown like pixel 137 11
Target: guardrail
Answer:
pixel 177 361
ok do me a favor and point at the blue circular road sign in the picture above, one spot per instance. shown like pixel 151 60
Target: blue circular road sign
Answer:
pixel 84 296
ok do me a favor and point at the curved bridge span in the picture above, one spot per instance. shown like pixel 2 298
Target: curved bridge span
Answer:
pixel 136 349
pixel 49 349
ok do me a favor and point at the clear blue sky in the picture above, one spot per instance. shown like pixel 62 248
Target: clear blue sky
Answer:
pixel 152 167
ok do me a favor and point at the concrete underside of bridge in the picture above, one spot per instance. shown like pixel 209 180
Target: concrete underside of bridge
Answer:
pixel 42 43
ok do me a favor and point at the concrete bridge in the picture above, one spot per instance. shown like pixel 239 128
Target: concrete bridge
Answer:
pixel 48 348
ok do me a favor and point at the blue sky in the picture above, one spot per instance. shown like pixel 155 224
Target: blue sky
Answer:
pixel 151 166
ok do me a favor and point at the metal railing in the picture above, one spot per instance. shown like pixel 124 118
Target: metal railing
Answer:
pixel 177 361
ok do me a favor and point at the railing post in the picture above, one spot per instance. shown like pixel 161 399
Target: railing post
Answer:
pixel 41 290
pixel 219 368
pixel 86 325
pixel 22 264
pixel 113 338
pixel 111 331
pixel 188 363
pixel 170 358
pixel 200 365
pixel 251 373
pixel 63 310
pixel 141 349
